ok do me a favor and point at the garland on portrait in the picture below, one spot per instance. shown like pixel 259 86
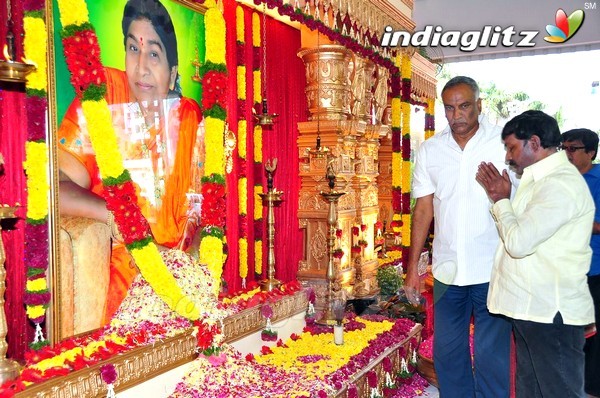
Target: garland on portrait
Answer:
pixel 37 295
pixel 214 83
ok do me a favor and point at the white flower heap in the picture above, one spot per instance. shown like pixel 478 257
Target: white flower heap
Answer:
pixel 143 309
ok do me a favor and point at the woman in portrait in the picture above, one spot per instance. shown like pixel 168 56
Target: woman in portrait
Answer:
pixel 158 133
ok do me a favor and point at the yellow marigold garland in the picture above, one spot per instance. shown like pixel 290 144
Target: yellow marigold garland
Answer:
pixel 257 147
pixel 212 236
pixel 242 137
pixel 36 296
pixel 36 168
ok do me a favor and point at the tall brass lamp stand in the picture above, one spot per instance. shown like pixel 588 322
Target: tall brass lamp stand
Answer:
pixel 271 199
pixel 331 197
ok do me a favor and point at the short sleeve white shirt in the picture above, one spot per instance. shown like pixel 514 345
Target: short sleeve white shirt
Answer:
pixel 465 237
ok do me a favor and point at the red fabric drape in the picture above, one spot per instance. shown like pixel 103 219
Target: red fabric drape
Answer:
pixel 12 189
pixel 231 268
pixel 285 94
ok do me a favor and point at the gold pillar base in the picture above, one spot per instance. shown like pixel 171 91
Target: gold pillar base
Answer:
pixel 9 370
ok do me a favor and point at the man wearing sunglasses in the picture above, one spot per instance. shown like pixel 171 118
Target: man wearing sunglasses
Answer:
pixel 581 146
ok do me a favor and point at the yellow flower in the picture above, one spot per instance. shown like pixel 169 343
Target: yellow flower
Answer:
pixel 257 77
pixel 239 24
pixel 405 118
pixel 214 146
pixel 255 30
pixel 406 230
pixel 406 176
pixel 152 268
pixel 103 137
pixel 396 112
pixel 258 144
pixel 34 45
pixel 243 195
pixel 334 356
pixel 241 82
pixel 242 127
pixel 243 246
pixel 406 69
pixel 258 209
pixel 211 254
pixel 36 285
pixel 396 169
pixel 73 12
pixel 215 35
pixel 258 257
pixel 35 311
pixel 35 165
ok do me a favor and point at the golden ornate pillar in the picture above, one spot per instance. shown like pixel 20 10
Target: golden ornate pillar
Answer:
pixel 343 129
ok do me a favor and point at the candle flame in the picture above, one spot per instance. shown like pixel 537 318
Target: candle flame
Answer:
pixel 29 62
pixel 6 55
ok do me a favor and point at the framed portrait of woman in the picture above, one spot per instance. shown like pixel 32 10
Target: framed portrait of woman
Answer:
pixel 151 51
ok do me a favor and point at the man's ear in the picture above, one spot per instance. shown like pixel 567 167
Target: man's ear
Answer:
pixel 535 142
pixel 479 106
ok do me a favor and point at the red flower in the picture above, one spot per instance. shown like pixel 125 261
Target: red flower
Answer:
pixel 83 60
pixel 214 86
pixel 363 227
pixel 355 231
pixel 338 233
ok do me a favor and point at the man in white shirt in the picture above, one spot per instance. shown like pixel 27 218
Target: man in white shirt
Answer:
pixel 539 277
pixel 463 248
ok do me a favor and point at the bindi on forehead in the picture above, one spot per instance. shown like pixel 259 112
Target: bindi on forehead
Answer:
pixel 141 40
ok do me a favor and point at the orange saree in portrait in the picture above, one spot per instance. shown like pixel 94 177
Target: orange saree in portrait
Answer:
pixel 165 163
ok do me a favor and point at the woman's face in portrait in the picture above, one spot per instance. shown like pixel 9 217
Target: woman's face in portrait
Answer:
pixel 146 63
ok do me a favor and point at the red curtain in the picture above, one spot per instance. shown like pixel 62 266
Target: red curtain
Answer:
pixel 285 95
pixel 13 135
pixel 285 92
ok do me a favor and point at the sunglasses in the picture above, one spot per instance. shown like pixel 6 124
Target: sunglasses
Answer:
pixel 571 149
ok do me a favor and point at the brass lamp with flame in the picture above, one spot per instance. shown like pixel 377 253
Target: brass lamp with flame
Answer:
pixel 11 71
pixel 264 118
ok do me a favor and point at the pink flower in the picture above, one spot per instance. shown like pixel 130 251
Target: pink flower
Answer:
pixel 108 373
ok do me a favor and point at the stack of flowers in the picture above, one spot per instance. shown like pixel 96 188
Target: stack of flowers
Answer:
pixel 142 319
pixel 268 334
pixel 239 377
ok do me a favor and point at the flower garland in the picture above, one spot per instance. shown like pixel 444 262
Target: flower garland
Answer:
pixel 405 73
pixel 82 53
pixel 37 294
pixel 430 118
pixel 214 75
pixel 396 224
pixel 257 144
pixel 242 136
